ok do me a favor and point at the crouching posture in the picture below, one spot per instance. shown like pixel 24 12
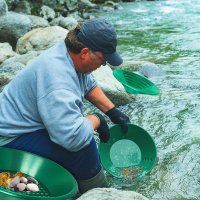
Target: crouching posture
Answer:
pixel 41 109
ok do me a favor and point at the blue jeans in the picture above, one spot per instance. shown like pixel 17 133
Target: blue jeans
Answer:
pixel 83 164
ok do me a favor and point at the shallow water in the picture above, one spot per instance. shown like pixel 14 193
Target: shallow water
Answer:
pixel 166 33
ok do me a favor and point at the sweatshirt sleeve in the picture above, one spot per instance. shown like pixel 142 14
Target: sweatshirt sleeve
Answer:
pixel 61 114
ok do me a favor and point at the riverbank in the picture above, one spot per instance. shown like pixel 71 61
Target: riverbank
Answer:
pixel 23 36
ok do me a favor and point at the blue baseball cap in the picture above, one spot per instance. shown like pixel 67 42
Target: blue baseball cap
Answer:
pixel 99 35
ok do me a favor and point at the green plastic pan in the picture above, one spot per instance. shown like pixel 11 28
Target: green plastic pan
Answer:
pixel 128 154
pixel 134 83
pixel 55 182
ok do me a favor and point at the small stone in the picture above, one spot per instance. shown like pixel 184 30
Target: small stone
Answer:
pixel 14 181
pixel 32 180
pixel 23 180
pixel 32 187
pixel 21 186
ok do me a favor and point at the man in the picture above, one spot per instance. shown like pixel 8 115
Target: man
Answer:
pixel 41 108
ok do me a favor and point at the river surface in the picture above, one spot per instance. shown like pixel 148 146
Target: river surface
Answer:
pixel 166 33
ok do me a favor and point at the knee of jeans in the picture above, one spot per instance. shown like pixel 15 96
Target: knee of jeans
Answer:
pixel 87 163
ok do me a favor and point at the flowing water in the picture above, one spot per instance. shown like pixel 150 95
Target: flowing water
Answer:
pixel 166 33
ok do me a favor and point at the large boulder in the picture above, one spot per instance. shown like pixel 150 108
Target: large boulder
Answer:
pixel 14 25
pixel 23 59
pixel 111 194
pixel 10 67
pixel 40 39
pixel 111 87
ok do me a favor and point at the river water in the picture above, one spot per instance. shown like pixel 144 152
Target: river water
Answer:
pixel 166 33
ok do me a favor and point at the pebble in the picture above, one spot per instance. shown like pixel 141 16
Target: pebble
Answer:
pixel 21 186
pixel 14 181
pixel 23 180
pixel 32 187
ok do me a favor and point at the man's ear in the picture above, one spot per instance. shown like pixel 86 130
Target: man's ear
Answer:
pixel 84 52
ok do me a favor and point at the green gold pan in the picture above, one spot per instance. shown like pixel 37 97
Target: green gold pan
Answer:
pixel 134 83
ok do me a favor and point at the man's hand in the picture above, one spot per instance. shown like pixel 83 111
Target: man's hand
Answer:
pixel 103 129
pixel 117 117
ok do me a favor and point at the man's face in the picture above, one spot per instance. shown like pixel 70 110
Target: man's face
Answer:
pixel 93 61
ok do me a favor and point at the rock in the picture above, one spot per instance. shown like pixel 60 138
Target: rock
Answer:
pixel 40 39
pixel 32 187
pixel 72 5
pixel 112 88
pixel 3 8
pixel 76 16
pixel 150 70
pixel 111 194
pixel 11 68
pixel 12 4
pixel 56 21
pixel 47 13
pixel 112 4
pixel 23 59
pixel 15 25
pixel 22 6
pixel 21 186
pixel 4 80
pixel 85 5
pixel 68 23
pixel 37 22
pixel 14 181
pixel 6 52
pixel 65 22
pixel 23 180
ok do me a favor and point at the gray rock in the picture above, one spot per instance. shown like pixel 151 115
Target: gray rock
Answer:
pixel 47 13
pixel 72 5
pixel 3 8
pixel 111 194
pixel 65 22
pixel 6 52
pixel 37 22
pixel 150 70
pixel 111 87
pixel 23 59
pixel 14 181
pixel 4 80
pixel 40 39
pixel 13 26
pixel 68 23
pixel 11 68
pixel 22 6
pixel 85 5
pixel 56 21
